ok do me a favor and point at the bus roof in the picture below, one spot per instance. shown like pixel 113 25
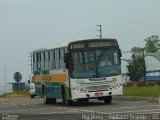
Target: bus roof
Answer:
pixel 82 40
pixel 61 45
pixel 38 50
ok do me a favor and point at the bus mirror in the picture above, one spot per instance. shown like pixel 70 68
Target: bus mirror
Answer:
pixel 66 57
pixel 120 54
pixel 28 81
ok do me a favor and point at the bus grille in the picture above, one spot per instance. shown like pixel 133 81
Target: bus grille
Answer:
pixel 97 88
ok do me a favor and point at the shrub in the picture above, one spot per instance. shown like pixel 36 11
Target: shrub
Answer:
pixel 141 83
pixel 150 83
pixel 128 84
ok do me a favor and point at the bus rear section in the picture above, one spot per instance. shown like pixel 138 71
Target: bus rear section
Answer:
pixel 53 85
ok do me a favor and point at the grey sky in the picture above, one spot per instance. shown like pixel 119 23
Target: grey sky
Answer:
pixel 26 25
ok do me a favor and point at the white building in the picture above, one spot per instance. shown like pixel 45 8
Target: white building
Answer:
pixel 152 62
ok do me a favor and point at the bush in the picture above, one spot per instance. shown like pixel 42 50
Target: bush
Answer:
pixel 129 84
pixel 150 84
pixel 142 83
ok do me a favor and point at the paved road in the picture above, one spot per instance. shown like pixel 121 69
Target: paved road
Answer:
pixel 35 109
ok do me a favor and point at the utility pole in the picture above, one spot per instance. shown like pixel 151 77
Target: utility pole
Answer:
pixel 100 31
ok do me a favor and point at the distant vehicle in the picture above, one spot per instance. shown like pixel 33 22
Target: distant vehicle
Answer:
pixel 32 87
pixel 72 71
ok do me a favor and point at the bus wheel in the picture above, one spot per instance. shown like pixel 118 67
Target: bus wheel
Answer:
pixel 108 99
pixel 69 102
pixel 32 96
pixel 66 102
pixel 64 99
pixel 82 101
pixel 53 100
pixel 86 100
pixel 45 98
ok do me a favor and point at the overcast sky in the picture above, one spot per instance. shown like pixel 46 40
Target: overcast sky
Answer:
pixel 26 25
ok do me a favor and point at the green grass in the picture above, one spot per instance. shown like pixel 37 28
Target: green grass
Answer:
pixel 146 91
pixel 16 94
pixel 22 93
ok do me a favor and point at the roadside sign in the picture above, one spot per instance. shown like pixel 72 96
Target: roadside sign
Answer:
pixel 17 76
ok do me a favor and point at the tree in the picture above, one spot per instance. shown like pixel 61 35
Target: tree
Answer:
pixel 137 50
pixel 136 68
pixel 152 44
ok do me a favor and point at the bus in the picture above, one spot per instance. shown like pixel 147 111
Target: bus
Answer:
pixel 73 71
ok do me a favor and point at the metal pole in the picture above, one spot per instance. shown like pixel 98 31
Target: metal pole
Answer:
pixel 100 32
pixel 5 80
pixel 17 88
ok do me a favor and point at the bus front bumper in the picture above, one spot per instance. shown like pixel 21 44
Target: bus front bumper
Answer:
pixel 97 94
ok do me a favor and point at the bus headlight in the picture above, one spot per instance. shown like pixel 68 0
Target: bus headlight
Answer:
pixel 79 89
pixel 116 86
pixel 32 87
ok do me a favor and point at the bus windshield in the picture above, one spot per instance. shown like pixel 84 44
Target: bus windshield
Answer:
pixel 95 64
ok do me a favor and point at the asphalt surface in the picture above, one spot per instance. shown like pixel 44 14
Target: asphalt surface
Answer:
pixel 35 109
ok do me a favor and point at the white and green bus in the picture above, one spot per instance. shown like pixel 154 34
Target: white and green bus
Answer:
pixel 72 71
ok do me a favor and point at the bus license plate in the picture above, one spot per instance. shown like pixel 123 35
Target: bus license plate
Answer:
pixel 98 93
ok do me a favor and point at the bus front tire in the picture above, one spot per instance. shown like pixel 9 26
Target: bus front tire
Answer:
pixel 82 101
pixel 32 96
pixel 108 99
pixel 53 100
pixel 48 100
pixel 64 99
pixel 68 102
pixel 45 98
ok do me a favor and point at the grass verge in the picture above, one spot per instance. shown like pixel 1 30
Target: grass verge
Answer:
pixel 16 94
pixel 145 91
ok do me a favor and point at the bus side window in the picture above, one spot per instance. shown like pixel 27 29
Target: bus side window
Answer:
pixel 46 60
pixel 61 61
pixel 42 61
pixel 39 61
pixel 34 62
pixel 53 59
pixel 57 58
